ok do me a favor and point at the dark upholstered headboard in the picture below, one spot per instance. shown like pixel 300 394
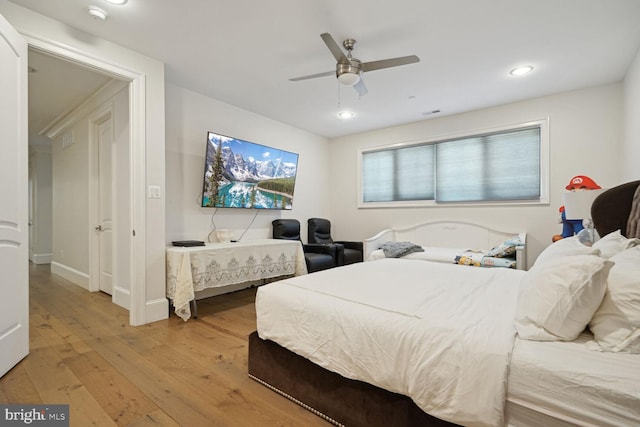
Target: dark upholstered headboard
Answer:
pixel 618 209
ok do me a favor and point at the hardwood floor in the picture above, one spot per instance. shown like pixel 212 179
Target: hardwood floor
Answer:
pixel 169 373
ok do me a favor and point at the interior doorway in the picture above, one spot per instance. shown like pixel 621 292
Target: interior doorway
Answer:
pixel 74 87
pixel 144 78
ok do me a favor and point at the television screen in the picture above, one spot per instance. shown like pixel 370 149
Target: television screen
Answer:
pixel 242 174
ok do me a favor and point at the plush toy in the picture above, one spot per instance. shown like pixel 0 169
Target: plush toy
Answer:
pixel 571 227
pixel 465 260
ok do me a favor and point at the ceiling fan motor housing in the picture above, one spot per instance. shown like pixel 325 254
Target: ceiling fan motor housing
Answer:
pixel 349 74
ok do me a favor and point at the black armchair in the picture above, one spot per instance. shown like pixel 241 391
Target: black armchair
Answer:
pixel 317 257
pixel 319 230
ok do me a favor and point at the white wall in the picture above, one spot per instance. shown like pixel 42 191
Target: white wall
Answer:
pixel 189 117
pixel 70 214
pixel 121 199
pixel 585 139
pixel 74 203
pixel 631 147
pixel 41 204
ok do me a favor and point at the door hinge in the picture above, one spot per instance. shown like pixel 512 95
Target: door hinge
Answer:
pixel 134 233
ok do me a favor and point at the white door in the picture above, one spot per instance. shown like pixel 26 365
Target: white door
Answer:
pixel 14 239
pixel 105 209
pixel 31 205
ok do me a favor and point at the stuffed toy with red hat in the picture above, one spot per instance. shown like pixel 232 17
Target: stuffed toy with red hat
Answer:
pixel 571 227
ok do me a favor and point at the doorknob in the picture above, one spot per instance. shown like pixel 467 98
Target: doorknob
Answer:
pixel 99 228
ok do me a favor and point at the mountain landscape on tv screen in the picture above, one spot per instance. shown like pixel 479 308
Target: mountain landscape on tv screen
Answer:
pixel 246 175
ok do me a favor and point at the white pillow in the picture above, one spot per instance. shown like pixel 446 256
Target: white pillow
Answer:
pixel 614 243
pixel 565 247
pixel 558 298
pixel 616 324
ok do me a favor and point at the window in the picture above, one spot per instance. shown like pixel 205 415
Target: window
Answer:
pixel 392 174
pixel 506 165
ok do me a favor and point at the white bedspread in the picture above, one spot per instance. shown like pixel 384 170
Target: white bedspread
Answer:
pixel 565 381
pixel 441 334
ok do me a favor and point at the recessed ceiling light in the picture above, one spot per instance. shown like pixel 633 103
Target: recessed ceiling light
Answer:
pixel 345 115
pixel 97 13
pixel 521 71
pixel 116 1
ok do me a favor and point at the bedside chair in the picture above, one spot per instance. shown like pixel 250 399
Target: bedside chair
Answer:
pixel 317 257
pixel 320 232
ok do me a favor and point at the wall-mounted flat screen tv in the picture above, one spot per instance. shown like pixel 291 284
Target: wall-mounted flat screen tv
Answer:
pixel 243 174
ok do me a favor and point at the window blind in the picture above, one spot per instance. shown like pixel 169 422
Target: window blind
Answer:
pixel 499 166
pixel 399 174
pixel 496 167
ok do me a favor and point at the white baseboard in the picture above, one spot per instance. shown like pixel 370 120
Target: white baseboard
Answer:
pixel 156 310
pixel 122 297
pixel 41 258
pixel 71 274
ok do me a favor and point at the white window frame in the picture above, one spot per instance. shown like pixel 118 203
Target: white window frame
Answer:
pixel 544 168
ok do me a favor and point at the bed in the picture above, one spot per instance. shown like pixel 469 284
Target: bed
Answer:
pixel 453 242
pixel 466 346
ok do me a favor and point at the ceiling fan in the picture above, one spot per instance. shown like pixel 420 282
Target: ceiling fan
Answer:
pixel 349 69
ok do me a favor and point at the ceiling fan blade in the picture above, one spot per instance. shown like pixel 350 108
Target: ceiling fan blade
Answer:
pixel 313 76
pixel 361 88
pixel 334 48
pixel 387 63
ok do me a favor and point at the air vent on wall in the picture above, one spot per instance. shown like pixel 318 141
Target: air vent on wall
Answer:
pixel 67 139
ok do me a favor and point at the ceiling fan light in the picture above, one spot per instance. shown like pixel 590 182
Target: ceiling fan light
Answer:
pixel 349 79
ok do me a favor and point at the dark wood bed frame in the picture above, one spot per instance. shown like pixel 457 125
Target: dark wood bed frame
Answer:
pixel 337 399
